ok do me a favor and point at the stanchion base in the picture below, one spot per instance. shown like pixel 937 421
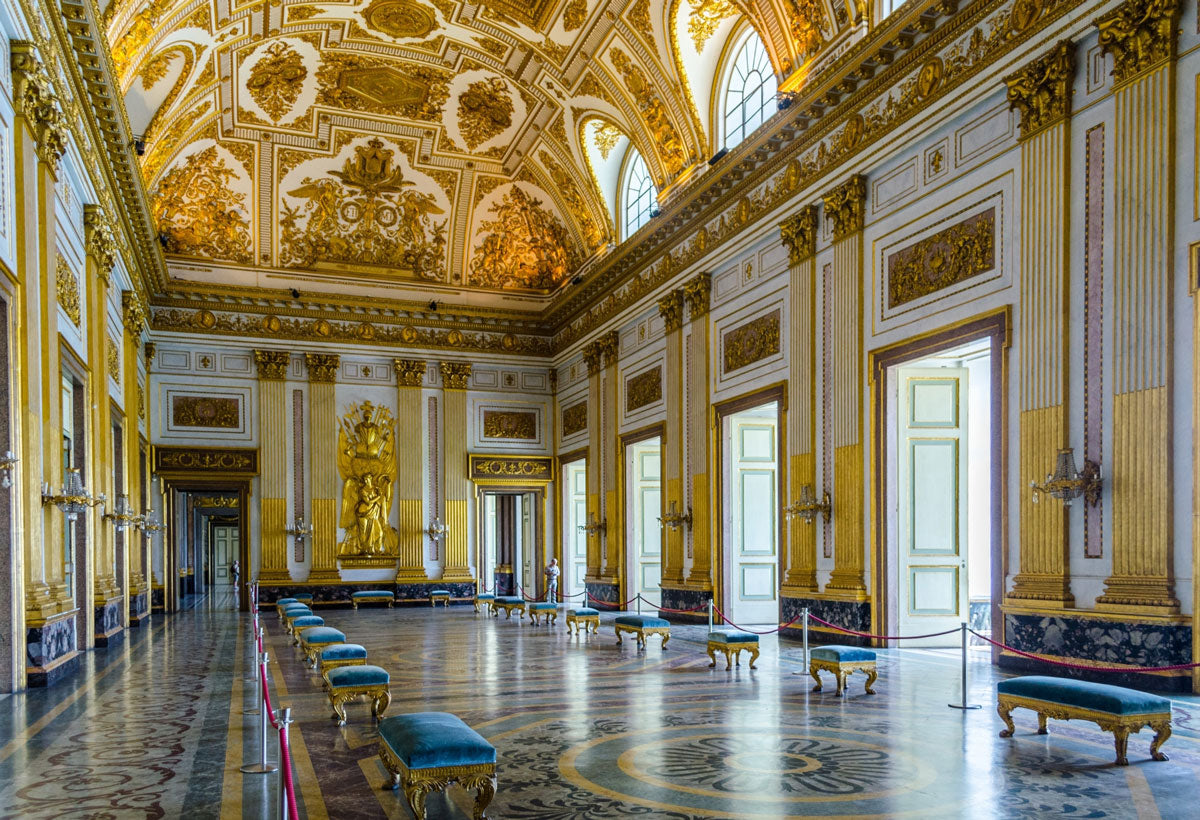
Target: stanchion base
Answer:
pixel 259 768
pixel 961 706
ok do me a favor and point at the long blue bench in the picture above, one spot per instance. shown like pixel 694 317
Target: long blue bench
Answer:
pixel 427 751
pixel 1114 709
pixel 372 596
pixel 641 626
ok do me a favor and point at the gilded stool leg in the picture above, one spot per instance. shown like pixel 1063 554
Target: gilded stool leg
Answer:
pixel 552 619
pixel 354 604
pixel 1121 741
pixel 595 625
pixel 485 790
pixel 381 703
pixel 1042 730
pixel 1005 712
pixel 339 709
pixel 712 654
pixel 753 650
pixel 841 683
pixel 618 631
pixel 812 670
pixel 1162 731
pixel 665 639
pixel 414 793
pixel 871 676
pixel 736 654
pixel 476 605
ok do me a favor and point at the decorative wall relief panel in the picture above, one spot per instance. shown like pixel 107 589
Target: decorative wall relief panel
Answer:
pixel 950 256
pixel 751 342
pixel 222 412
pixel 516 468
pixel 643 389
pixel 510 424
pixel 574 419
pixel 227 460
pixel 112 359
pixel 67 287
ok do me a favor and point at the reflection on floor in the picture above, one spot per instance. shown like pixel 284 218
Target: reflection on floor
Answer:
pixel 584 729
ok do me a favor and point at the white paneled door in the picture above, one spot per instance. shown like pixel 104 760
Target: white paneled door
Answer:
pixel 752 532
pixel 574 539
pixel 225 552
pixel 931 514
pixel 645 536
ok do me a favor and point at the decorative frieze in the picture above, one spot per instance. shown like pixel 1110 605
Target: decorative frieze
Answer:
pixel 799 234
pixel 455 375
pixel 751 342
pixel 205 459
pixel 322 367
pixel 1041 91
pixel 66 285
pixel 529 468
pixel 955 254
pixel 206 411
pixel 409 372
pixel 670 307
pixel 574 418
pixel 844 209
pixel 509 424
pixel 1139 34
pixel 272 364
pixel 698 293
pixel 643 389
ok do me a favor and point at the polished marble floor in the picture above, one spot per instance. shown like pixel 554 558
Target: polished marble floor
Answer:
pixel 153 727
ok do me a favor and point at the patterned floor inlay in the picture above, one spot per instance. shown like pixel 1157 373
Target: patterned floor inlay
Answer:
pixel 583 728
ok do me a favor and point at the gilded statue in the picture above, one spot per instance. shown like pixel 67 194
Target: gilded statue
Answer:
pixel 367 463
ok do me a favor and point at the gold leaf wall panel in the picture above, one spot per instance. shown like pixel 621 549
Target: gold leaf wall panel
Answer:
pixel 504 424
pixel 643 389
pixel 205 411
pixel 955 254
pixel 751 342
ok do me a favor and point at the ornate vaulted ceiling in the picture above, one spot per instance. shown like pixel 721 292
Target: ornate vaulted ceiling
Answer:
pixel 393 145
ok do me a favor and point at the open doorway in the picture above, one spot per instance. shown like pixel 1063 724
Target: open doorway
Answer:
pixel 511 552
pixel 644 534
pixel 751 478
pixel 574 539
pixel 940 463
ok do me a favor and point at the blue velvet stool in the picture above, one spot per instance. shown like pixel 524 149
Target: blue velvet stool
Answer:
pixel 304 597
pixel 315 638
pixel 841 661
pixel 427 751
pixel 731 643
pixel 1113 708
pixel 641 626
pixel 282 604
pixel 349 682
pixel 341 654
pixel 304 622
pixel 292 615
pixel 442 595
pixel 543 609
pixel 485 598
pixel 508 603
pixel 590 618
pixel 372 596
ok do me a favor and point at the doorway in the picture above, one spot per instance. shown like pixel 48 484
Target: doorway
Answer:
pixel 644 533
pixel 941 457
pixel 511 553
pixel 574 539
pixel 750 492
pixel 223 550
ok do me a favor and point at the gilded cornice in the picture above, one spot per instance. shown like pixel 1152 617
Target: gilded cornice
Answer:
pixel 409 372
pixel 98 240
pixel 322 367
pixel 34 99
pixel 670 307
pixel 272 364
pixel 698 292
pixel 799 234
pixel 455 375
pixel 844 207
pixel 1139 34
pixel 1041 91
pixel 133 313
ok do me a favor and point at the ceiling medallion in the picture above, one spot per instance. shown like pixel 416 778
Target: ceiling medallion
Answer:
pixel 400 18
pixel 382 86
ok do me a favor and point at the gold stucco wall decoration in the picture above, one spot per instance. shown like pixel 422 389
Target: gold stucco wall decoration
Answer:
pixel 402 19
pixel 485 110
pixel 667 142
pixel 593 235
pixel 707 16
pixel 507 424
pixel 643 389
pixel 112 357
pixel 367 464
pixel 574 14
pixel 66 285
pixel 807 21
pixel 206 411
pixel 524 246
pixel 574 418
pixel 199 212
pixel 534 468
pixel 276 79
pixel 955 254
pixel 751 342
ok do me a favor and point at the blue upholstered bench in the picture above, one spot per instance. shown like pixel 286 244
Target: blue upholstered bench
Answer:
pixel 427 751
pixel 372 596
pixel 841 661
pixel 293 611
pixel 1113 708
pixel 641 626
pixel 485 598
pixel 282 604
pixel 508 603
pixel 543 609
pixel 334 655
pixel 349 682
pixel 303 622
pixel 305 598
pixel 590 618
pixel 731 643
pixel 442 595
pixel 315 638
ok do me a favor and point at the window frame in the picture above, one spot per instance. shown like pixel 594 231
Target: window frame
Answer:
pixel 739 40
pixel 623 200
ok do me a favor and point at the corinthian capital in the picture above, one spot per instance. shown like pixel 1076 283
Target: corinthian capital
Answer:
pixel 1139 34
pixel 33 97
pixel 98 239
pixel 799 234
pixel 1041 91
pixel 844 206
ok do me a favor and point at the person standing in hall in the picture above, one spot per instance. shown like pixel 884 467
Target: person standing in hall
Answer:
pixel 552 580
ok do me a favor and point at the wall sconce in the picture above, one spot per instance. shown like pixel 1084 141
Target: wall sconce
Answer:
pixel 593 525
pixel 72 499
pixel 807 508
pixel 675 519
pixel 123 516
pixel 436 530
pixel 1066 483
pixel 149 525
pixel 299 530
pixel 7 462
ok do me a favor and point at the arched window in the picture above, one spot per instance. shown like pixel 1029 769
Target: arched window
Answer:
pixel 749 90
pixel 637 194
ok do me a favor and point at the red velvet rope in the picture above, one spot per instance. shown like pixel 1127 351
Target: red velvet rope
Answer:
pixel 717 609
pixel 621 605
pixel 678 611
pixel 285 757
pixel 880 637
pixel 1084 667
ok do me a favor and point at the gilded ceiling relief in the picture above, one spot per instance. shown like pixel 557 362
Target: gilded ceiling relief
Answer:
pixel 639 18
pixel 807 21
pixel 163 146
pixel 367 213
pixel 400 19
pixel 574 15
pixel 667 142
pixel 276 79
pixel 593 235
pixel 606 137
pixel 536 14
pixel 485 110
pixel 707 16
pixel 377 86
pixel 200 211
pixel 524 246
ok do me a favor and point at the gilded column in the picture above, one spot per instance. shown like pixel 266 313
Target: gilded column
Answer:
pixel 799 234
pixel 1041 93
pixel 454 469
pixel 612 545
pixel 322 446
pixel 410 373
pixel 592 357
pixel 273 474
pixel 844 211
pixel 671 309
pixel 134 315
pixel 697 292
pixel 1140 35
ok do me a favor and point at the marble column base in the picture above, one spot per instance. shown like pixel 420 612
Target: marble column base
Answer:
pixel 677 598
pixel 50 652
pixel 108 622
pixel 849 614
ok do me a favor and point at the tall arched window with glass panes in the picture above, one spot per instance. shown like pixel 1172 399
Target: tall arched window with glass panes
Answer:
pixel 750 89
pixel 637 194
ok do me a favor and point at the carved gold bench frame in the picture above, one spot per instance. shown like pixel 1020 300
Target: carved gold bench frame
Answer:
pixel 418 783
pixel 842 670
pixel 312 651
pixel 488 604
pixel 508 608
pixel 289 623
pixel 591 622
pixel 373 599
pixel 444 598
pixel 732 652
pixel 1121 726
pixel 535 615
pixel 642 631
pixel 339 696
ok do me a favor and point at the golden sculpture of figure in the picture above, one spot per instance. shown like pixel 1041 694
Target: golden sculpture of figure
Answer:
pixel 367 463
